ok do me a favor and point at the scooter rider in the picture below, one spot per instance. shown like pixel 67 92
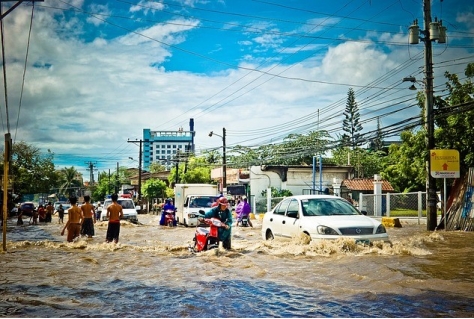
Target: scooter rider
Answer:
pixel 168 206
pixel 243 210
pixel 222 213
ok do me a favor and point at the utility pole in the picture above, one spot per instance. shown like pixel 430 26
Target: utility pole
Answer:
pixel 90 168
pixel 13 7
pixel 140 141
pixel 433 31
pixel 117 179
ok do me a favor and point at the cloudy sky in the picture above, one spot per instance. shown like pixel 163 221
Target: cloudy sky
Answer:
pixel 99 72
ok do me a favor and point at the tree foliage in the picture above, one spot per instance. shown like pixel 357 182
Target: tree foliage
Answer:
pixel 351 123
pixel 455 118
pixel 31 171
pixel 296 149
pixel 405 165
pixel 154 188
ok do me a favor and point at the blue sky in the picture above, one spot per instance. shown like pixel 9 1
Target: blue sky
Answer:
pixel 98 72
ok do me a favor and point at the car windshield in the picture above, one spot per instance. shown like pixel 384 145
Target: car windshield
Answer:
pixel 202 201
pixel 327 206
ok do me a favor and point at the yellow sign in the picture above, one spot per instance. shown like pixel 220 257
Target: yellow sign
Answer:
pixel 444 163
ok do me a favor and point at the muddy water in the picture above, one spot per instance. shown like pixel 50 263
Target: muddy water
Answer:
pixel 151 273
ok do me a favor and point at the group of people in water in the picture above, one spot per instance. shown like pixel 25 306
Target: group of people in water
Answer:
pixel 81 220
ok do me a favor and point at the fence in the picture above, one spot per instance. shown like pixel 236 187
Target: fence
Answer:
pixel 411 204
pixel 394 204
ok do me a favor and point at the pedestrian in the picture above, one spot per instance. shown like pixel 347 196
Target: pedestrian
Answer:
pixel 60 214
pixel 41 214
pixel 34 216
pixel 20 218
pixel 114 214
pixel 75 218
pixel 49 212
pixel 89 218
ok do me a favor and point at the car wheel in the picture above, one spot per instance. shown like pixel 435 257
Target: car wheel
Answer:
pixel 269 235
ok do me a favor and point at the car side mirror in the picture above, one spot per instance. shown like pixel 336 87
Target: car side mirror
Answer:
pixel 363 212
pixel 138 208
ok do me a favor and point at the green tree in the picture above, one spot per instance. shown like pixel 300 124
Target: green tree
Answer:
pixel 366 164
pixel 376 143
pixel 69 181
pixel 32 171
pixel 455 117
pixel 193 170
pixel 351 124
pixel 153 188
pixel 405 166
pixel 156 167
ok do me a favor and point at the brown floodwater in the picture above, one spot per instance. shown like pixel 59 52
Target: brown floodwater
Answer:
pixel 151 273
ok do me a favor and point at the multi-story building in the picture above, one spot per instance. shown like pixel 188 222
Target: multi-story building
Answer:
pixel 164 147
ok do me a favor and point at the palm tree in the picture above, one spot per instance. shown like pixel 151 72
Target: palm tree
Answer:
pixel 70 180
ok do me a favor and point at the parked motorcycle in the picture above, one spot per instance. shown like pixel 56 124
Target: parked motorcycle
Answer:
pixel 207 238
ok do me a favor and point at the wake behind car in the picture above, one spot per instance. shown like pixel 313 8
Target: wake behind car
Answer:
pixel 320 217
pixel 130 211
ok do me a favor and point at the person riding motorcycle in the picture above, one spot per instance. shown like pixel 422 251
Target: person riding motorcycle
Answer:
pixel 168 206
pixel 222 213
pixel 243 210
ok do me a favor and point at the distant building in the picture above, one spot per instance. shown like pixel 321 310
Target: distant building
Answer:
pixel 164 146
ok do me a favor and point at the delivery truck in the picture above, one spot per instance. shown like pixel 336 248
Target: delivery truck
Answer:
pixel 190 199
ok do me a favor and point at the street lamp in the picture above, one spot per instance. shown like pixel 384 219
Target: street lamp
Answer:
pixel 224 164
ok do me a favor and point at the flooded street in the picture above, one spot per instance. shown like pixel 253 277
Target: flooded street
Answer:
pixel 151 273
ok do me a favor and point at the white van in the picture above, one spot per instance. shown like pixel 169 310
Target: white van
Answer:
pixel 130 211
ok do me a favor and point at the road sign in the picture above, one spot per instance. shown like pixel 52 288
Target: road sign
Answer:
pixel 444 163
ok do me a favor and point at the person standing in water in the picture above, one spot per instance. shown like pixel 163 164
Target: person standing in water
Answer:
pixel 89 218
pixel 114 214
pixel 75 218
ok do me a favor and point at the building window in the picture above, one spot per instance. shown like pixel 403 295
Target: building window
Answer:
pixel 174 145
pixel 168 152
pixel 169 146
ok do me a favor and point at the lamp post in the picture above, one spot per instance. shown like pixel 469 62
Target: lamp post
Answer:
pixel 434 31
pixel 224 164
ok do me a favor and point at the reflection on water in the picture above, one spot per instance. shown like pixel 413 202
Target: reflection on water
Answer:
pixel 151 273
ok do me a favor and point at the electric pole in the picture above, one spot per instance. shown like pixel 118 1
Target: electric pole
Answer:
pixel 90 168
pixel 433 31
pixel 140 142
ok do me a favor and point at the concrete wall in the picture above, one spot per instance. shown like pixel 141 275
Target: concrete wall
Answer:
pixel 299 180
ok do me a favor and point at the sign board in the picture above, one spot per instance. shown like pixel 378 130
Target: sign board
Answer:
pixel 444 163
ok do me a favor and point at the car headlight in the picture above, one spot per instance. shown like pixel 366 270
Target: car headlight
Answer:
pixel 381 229
pixel 324 230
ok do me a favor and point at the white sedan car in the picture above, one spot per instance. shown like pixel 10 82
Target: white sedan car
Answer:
pixel 320 217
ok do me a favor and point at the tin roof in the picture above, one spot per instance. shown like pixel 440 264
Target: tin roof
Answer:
pixel 365 184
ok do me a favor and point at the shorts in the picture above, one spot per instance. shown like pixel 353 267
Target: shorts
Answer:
pixel 113 232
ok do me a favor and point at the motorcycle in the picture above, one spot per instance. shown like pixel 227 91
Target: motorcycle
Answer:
pixel 243 220
pixel 169 217
pixel 207 238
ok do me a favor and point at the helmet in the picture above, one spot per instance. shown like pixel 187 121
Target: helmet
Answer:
pixel 223 201
pixel 168 200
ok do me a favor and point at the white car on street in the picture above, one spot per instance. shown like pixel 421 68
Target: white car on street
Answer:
pixel 130 211
pixel 320 217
